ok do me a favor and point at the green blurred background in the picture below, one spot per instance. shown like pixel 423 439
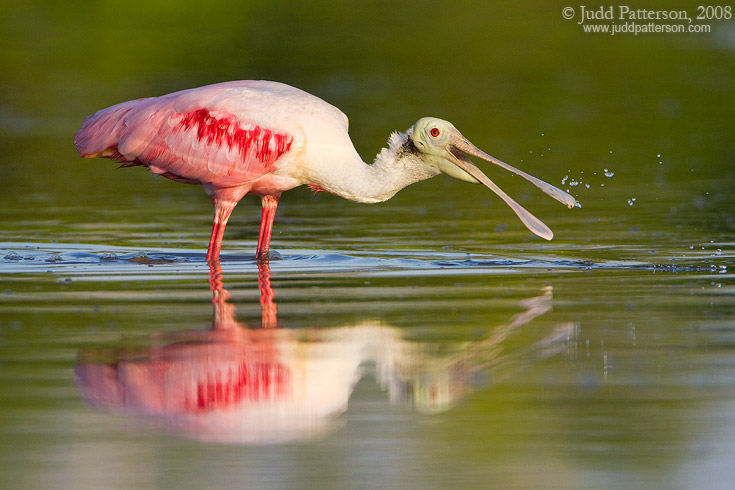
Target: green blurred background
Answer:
pixel 518 79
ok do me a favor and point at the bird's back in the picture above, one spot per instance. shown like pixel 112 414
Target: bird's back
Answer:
pixel 224 134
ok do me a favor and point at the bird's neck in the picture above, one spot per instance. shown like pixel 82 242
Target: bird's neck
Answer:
pixel 394 168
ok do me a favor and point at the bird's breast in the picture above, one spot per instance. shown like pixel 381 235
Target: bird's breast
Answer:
pixel 273 184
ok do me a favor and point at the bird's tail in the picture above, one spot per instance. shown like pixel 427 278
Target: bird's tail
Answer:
pixel 101 131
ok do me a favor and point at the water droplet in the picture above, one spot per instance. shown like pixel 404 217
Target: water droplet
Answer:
pixel 659 155
pixel 631 201
pixel 718 252
pixel 691 247
pixel 608 173
pixel 573 183
pixel 564 180
pixel 587 186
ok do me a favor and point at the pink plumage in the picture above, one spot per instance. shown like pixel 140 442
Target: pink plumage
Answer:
pixel 218 136
pixel 185 138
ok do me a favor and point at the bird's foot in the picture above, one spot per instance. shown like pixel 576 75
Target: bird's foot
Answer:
pixel 267 256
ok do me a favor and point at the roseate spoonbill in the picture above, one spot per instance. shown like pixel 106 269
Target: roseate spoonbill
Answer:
pixel 264 138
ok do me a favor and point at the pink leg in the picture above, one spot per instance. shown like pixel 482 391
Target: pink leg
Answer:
pixel 222 211
pixel 270 203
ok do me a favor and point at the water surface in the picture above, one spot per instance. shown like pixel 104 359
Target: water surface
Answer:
pixel 529 370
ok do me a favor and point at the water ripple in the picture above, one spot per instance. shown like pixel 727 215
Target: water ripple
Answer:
pixel 85 259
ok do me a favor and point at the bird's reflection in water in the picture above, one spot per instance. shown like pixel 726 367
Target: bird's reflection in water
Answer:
pixel 272 385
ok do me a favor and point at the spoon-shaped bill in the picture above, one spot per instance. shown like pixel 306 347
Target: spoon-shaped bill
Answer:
pixel 532 222
pixel 461 143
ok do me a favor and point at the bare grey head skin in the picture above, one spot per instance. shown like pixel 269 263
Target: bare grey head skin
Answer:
pixel 442 146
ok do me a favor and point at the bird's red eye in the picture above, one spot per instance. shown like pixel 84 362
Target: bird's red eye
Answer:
pixel 434 132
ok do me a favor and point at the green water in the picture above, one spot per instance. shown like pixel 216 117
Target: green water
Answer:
pixel 427 342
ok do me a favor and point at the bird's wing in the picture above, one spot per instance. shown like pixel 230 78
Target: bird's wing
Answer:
pixel 225 134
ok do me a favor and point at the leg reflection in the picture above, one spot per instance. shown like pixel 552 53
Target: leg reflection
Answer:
pixel 224 312
pixel 269 315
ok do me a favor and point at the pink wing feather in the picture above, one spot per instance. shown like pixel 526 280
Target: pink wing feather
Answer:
pixel 202 135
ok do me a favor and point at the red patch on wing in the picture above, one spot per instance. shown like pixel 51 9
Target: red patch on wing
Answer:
pixel 254 382
pixel 265 145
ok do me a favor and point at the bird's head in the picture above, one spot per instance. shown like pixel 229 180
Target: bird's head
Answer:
pixel 439 144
